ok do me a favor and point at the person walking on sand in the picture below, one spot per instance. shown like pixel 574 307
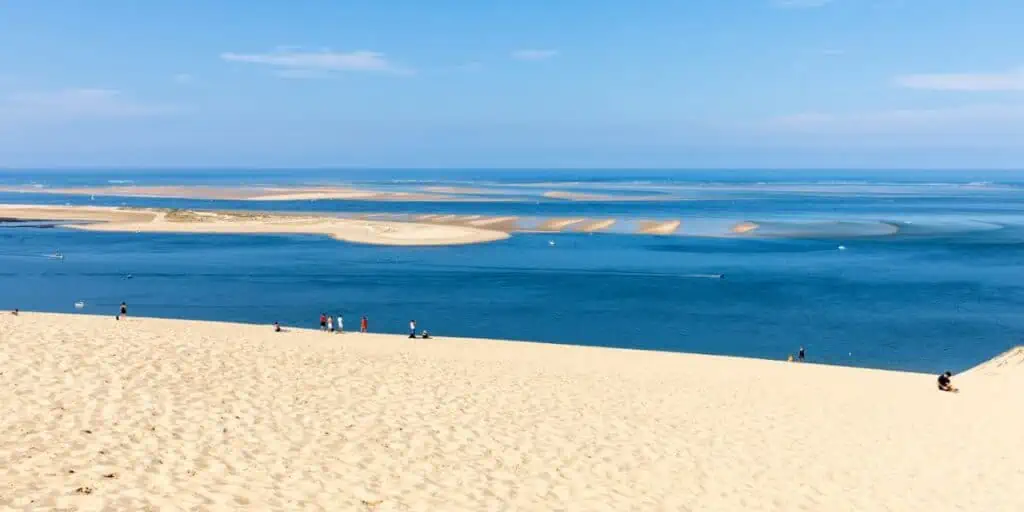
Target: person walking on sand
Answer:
pixel 323 322
pixel 341 325
pixel 330 325
pixel 412 328
pixel 800 355
pixel 364 325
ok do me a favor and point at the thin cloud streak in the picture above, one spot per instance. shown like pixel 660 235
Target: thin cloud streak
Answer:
pixel 799 4
pixel 81 103
pixel 534 54
pixel 319 61
pixel 1012 80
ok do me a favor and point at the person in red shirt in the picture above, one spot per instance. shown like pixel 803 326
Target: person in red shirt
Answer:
pixel 323 322
pixel 364 325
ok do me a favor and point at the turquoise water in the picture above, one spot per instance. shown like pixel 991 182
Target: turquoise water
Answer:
pixel 929 278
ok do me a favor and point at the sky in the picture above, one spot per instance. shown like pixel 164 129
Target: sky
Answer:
pixel 528 83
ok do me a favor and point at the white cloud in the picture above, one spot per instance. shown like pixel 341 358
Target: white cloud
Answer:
pixel 534 54
pixel 70 104
pixel 800 4
pixel 1012 80
pixel 293 63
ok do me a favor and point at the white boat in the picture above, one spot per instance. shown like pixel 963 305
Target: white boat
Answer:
pixel 80 304
pixel 55 256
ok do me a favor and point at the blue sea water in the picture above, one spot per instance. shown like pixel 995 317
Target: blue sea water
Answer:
pixel 929 277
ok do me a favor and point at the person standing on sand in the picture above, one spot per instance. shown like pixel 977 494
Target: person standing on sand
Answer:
pixel 364 325
pixel 800 355
pixel 323 322
pixel 124 311
pixel 330 324
pixel 341 325
pixel 412 328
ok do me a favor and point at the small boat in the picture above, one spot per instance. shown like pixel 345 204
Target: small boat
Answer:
pixel 842 247
pixel 80 304
pixel 551 242
pixel 55 256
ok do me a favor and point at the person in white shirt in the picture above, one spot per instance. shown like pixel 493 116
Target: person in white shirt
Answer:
pixel 341 324
pixel 412 328
pixel 330 325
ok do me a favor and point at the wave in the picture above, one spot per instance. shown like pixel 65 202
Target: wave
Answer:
pixel 121 182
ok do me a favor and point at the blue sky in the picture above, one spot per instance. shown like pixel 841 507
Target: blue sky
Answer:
pixel 573 83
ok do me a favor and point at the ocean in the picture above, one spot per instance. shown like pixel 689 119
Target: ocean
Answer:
pixel 900 270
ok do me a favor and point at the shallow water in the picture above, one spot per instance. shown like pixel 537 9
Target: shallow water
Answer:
pixel 929 279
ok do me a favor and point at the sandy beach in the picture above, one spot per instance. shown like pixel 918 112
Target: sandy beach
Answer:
pixel 211 222
pixel 147 413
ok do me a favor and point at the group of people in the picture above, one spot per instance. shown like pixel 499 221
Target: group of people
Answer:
pixel 328 324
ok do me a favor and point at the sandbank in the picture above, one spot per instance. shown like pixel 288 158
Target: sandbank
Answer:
pixel 744 228
pixel 651 227
pixel 173 414
pixel 196 221
pixel 246 193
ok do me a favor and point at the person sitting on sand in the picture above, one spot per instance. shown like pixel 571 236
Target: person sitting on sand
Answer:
pixel 426 335
pixel 946 383
pixel 277 327
pixel 15 312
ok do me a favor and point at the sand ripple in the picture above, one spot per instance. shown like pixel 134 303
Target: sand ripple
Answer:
pixel 146 414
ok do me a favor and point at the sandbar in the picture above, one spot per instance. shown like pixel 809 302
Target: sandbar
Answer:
pixel 173 414
pixel 197 221
pixel 744 228
pixel 246 193
pixel 651 227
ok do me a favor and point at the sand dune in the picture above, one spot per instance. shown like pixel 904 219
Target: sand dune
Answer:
pixel 189 221
pixel 147 413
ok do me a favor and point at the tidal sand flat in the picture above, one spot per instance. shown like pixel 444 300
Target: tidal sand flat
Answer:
pixel 590 196
pixel 127 415
pixel 650 227
pixel 239 193
pixel 190 221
